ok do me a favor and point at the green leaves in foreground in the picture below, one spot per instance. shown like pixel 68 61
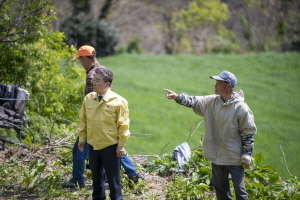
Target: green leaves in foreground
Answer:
pixel 262 181
pixel 42 179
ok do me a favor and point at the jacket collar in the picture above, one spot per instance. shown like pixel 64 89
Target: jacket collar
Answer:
pixel 237 96
pixel 106 96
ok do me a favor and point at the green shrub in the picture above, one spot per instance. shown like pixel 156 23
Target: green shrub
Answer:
pixel 134 45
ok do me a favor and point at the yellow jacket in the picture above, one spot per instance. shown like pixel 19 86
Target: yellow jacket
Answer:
pixel 106 122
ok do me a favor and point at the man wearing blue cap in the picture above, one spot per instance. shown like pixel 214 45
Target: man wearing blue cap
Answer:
pixel 229 133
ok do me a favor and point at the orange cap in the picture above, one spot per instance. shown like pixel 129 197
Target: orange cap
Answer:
pixel 85 51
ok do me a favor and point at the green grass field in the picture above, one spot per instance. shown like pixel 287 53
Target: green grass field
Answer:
pixel 270 82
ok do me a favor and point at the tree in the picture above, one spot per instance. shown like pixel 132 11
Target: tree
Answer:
pixel 35 56
pixel 21 22
pixel 83 29
pixel 203 22
pixel 288 25
pixel 270 25
pixel 198 28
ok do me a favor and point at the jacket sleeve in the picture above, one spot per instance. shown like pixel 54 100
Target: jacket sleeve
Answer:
pixel 123 123
pixel 186 100
pixel 198 103
pixel 247 129
pixel 82 132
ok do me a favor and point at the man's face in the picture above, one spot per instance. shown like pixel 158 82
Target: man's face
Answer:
pixel 221 87
pixel 99 85
pixel 83 61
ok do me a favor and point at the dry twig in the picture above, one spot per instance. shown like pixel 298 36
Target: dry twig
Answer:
pixel 283 160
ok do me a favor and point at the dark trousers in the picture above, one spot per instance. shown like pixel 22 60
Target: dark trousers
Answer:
pixel 101 161
pixel 220 181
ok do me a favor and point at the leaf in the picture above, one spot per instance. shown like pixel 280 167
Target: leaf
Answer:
pixel 258 159
pixel 274 179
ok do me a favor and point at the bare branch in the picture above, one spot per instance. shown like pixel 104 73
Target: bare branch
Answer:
pixel 164 147
pixel 148 133
pixel 194 131
pixel 283 160
pixel 66 120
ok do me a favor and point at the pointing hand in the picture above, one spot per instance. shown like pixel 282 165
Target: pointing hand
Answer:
pixel 171 94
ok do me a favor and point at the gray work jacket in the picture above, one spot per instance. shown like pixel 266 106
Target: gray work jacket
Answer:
pixel 225 124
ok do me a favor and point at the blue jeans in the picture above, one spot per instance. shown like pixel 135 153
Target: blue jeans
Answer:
pixel 79 163
pixel 128 165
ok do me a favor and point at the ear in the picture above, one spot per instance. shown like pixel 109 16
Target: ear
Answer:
pixel 107 84
pixel 229 86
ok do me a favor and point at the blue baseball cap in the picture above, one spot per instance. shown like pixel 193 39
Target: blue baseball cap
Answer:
pixel 226 76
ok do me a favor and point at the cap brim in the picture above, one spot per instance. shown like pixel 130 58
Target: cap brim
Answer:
pixel 217 78
pixel 75 58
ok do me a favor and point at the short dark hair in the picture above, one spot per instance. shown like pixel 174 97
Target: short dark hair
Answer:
pixel 107 74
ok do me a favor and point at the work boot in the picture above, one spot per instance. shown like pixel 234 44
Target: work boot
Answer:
pixel 136 177
pixel 72 183
pixel 81 185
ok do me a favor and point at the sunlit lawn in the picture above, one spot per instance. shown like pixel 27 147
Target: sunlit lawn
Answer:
pixel 270 82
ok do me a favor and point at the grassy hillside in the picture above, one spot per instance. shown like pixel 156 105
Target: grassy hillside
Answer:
pixel 270 82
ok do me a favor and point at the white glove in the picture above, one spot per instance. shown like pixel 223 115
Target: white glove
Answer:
pixel 246 160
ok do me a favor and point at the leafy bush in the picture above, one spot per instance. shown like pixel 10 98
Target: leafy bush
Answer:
pixel 37 58
pixel 164 165
pixel 134 45
pixel 22 23
pixel 44 179
pixel 262 181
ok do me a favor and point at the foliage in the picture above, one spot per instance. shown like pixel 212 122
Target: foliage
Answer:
pixel 288 25
pixel 204 22
pixel 267 25
pixel 185 188
pixel 193 183
pixel 165 165
pixel 37 178
pixel 45 180
pixel 134 46
pixel 50 74
pixel 130 187
pixel 40 61
pixel 21 22
pixel 82 29
pixel 262 181
pixel 199 28
pixel 23 19
pixel 51 79
pixel 202 12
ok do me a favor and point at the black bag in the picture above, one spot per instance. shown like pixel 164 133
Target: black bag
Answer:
pixel 9 92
